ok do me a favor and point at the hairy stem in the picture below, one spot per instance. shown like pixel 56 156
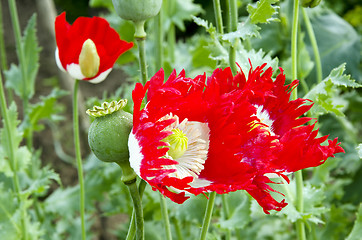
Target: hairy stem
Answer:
pixel 208 214
pixel 137 207
pixel 233 11
pixel 165 218
pixel 218 16
pixel 313 41
pixel 78 157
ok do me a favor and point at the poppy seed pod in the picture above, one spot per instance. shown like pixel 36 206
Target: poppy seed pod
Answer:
pixel 108 133
pixel 137 10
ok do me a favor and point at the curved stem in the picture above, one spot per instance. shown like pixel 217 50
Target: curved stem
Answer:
pixel 314 44
pixel 298 175
pixel 137 206
pixel 132 228
pixel 218 17
pixel 233 27
pixel 166 220
pixel 20 50
pixel 225 207
pixel 208 214
pixel 12 159
pixel 141 42
pixel 78 156
pixel 159 40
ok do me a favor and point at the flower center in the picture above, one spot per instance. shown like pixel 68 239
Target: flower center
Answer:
pixel 178 143
pixel 189 145
pixel 89 60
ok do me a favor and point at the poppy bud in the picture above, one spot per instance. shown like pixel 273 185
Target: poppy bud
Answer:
pixel 108 133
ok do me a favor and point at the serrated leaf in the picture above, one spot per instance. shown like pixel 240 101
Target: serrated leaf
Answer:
pixel 14 76
pixel 326 93
pixel 239 211
pixel 42 182
pixel 356 232
pixel 9 222
pixel 263 11
pixel 245 30
pixel 45 109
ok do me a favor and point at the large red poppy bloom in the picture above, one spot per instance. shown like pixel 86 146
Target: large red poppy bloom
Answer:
pixel 70 40
pixel 222 133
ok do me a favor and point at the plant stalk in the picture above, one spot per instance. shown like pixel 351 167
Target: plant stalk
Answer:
pixel 165 218
pixel 4 64
pixel 12 159
pixel 20 51
pixel 159 40
pixel 208 214
pixel 298 175
pixel 225 208
pixel 78 157
pixel 218 17
pixel 137 207
pixel 233 11
pixel 132 228
pixel 140 36
pixel 313 41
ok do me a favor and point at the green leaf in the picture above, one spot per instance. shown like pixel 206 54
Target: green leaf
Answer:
pixel 101 3
pixel 338 42
pixel 245 30
pixel 42 181
pixel 356 232
pixel 14 78
pixel 263 11
pixel 183 11
pixel 239 211
pixel 325 95
pixel 10 226
pixel 46 108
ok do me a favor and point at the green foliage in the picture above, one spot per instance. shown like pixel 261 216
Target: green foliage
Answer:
pixel 325 95
pixel 357 228
pixel 24 86
pixel 263 11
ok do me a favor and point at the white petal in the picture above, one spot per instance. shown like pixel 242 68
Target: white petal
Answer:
pixel 74 71
pixel 101 77
pixel 57 60
pixel 135 155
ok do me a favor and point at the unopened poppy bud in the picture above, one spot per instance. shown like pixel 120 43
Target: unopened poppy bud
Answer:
pixel 89 60
pixel 137 10
pixel 108 133
pixel 310 3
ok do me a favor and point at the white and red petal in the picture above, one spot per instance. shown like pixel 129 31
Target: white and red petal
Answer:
pixel 70 39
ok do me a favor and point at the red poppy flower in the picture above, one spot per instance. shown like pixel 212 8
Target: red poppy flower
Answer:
pixel 223 133
pixel 88 49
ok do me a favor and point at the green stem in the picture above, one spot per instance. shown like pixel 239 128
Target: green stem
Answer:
pixel 166 220
pixel 159 40
pixel 299 205
pixel 225 208
pixel 171 36
pixel 132 228
pixel 78 156
pixel 298 175
pixel 314 44
pixel 13 163
pixel 140 36
pixel 208 214
pixel 137 206
pixel 233 11
pixel 176 223
pixel 4 64
pixel 218 17
pixel 20 50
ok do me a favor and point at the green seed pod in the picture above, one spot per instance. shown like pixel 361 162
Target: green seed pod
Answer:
pixel 108 133
pixel 137 10
pixel 310 3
